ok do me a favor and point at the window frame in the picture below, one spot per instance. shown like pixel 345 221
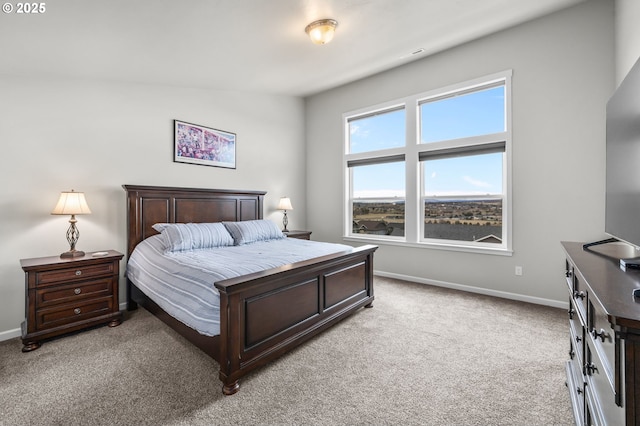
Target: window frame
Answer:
pixel 414 178
pixel 352 199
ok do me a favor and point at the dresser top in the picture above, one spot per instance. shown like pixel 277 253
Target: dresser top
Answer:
pixel 58 261
pixel 610 286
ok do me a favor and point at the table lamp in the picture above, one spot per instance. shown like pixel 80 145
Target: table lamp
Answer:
pixel 72 203
pixel 285 204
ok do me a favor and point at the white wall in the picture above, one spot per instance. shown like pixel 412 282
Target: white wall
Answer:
pixel 94 136
pixel 563 73
pixel 627 14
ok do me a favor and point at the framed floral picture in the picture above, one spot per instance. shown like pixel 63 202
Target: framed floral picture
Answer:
pixel 197 144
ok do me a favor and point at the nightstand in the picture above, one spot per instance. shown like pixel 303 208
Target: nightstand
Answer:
pixel 66 295
pixel 301 235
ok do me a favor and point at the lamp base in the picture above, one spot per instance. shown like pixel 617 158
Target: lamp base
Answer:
pixel 72 253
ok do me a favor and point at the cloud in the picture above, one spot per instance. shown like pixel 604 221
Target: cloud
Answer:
pixel 354 129
pixel 475 182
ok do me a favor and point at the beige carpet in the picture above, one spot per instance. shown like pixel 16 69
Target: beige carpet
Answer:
pixel 422 356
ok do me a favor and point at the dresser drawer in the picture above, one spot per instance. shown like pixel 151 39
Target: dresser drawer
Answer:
pixel 80 272
pixel 65 314
pixel 70 293
pixel 576 336
pixel 568 273
pixel 579 294
pixel 575 384
pixel 602 338
pixel 602 406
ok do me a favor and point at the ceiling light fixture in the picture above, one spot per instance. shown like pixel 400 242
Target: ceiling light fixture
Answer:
pixel 322 31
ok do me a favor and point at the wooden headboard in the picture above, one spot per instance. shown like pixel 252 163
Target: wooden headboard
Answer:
pixel 147 205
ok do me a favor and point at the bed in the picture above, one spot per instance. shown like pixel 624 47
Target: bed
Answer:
pixel 262 314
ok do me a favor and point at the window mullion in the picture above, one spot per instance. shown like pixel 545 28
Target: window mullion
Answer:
pixel 412 175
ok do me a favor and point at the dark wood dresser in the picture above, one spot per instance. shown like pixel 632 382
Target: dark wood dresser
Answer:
pixel 65 295
pixel 603 370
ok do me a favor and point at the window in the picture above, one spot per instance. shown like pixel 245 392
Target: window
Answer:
pixel 378 206
pixel 376 173
pixel 462 114
pixel 433 169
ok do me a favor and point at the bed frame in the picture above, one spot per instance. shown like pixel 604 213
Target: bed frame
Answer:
pixel 264 314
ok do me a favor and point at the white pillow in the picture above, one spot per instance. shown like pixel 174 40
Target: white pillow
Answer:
pixel 249 231
pixel 192 236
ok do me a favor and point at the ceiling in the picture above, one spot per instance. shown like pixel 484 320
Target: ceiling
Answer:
pixel 252 45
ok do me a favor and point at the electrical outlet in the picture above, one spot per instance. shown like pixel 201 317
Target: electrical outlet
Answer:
pixel 518 270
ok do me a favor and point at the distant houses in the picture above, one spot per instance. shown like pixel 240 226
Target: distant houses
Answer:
pixel 377 227
pixel 464 232
pixel 489 239
pixel 445 231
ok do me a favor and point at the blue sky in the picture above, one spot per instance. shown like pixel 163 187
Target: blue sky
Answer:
pixel 473 114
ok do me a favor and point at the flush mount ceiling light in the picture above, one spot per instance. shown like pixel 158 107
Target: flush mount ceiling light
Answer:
pixel 322 31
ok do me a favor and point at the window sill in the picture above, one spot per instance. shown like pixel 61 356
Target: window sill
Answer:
pixel 448 247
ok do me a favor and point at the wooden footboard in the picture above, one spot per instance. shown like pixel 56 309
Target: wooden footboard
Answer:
pixel 263 315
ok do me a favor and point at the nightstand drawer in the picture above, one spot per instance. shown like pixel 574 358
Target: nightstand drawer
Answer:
pixel 70 293
pixel 65 314
pixel 80 272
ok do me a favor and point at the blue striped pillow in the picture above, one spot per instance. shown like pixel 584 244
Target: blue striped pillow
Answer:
pixel 193 236
pixel 249 231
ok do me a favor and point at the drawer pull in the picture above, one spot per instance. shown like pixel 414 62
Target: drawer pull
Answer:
pixel 77 291
pixel 590 368
pixel 602 334
pixel 572 354
pixel 77 311
pixel 78 272
pixel 579 294
pixel 571 312
pixel 568 274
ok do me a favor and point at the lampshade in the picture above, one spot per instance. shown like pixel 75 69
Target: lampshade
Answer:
pixel 71 203
pixel 285 204
pixel 322 31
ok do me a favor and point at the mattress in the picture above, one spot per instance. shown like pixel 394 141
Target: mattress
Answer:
pixel 182 282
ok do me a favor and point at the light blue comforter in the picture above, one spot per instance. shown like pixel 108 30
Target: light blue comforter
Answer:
pixel 182 283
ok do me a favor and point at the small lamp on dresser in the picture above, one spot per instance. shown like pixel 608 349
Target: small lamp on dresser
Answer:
pixel 72 203
pixel 285 204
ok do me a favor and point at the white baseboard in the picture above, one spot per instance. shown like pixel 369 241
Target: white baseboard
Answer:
pixel 10 334
pixel 478 290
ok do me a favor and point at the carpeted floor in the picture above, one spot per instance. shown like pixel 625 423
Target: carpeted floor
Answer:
pixel 422 356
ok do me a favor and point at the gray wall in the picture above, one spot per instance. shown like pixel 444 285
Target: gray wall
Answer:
pixel 563 73
pixel 627 14
pixel 94 136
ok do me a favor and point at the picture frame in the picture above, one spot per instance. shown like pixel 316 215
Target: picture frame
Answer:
pixel 205 146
